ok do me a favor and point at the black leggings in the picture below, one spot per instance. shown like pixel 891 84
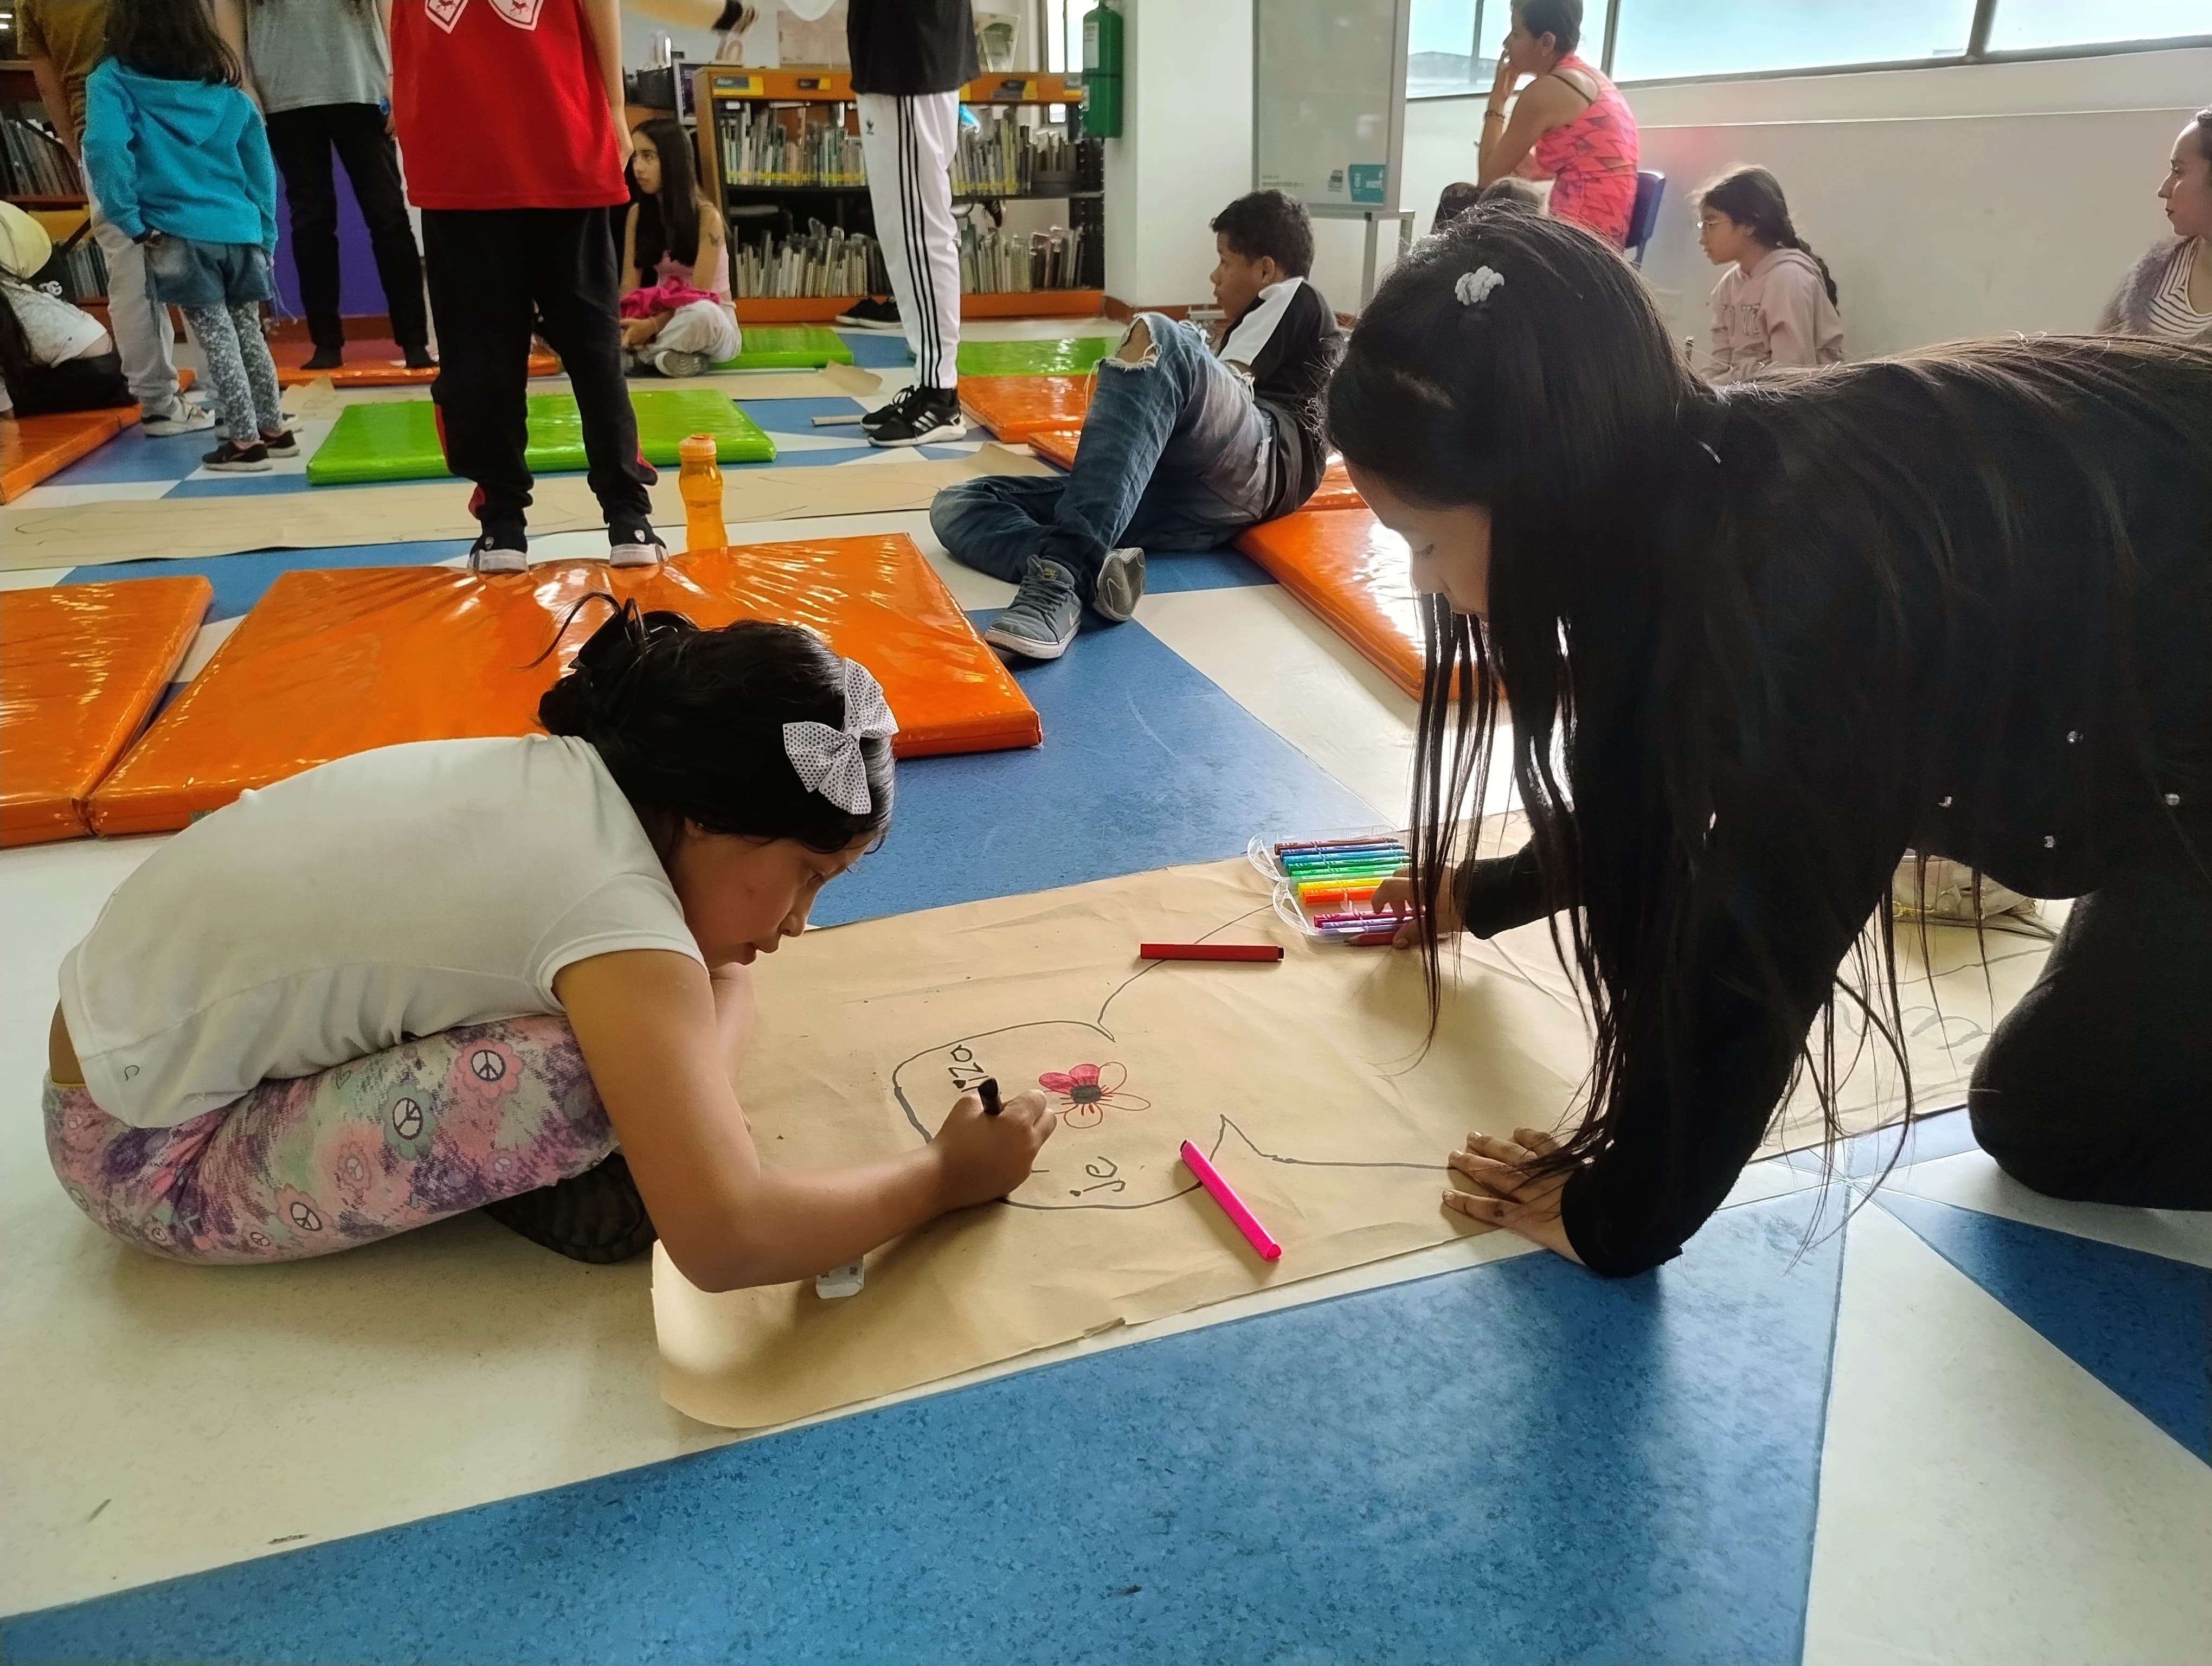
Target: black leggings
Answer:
pixel 301 142
pixel 2098 1086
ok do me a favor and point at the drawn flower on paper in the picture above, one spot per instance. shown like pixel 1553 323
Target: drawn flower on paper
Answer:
pixel 1088 1090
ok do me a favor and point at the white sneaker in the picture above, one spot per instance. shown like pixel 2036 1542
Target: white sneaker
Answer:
pixel 489 555
pixel 1121 584
pixel 671 364
pixel 184 418
pixel 640 549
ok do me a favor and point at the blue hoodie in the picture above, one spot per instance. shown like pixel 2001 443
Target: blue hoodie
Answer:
pixel 180 157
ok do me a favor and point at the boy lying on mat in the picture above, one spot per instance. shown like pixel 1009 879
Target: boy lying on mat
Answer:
pixel 1185 445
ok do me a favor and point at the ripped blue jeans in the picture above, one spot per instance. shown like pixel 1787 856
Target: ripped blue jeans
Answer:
pixel 1177 454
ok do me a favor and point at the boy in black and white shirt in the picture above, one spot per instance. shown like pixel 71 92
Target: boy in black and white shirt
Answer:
pixel 1184 447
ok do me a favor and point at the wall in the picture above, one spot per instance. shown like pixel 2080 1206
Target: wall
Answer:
pixel 1185 149
pixel 1949 202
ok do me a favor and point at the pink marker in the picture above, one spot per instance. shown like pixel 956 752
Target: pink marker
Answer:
pixel 1231 1205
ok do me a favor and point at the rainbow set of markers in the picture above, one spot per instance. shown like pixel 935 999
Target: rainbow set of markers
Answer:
pixel 1333 883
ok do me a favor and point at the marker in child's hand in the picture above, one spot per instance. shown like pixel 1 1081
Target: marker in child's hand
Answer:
pixel 840 1281
pixel 1231 1205
pixel 988 1090
pixel 1209 952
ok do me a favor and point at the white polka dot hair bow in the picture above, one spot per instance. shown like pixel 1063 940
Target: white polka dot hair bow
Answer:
pixel 828 760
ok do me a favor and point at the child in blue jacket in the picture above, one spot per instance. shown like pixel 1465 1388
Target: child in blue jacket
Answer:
pixel 180 163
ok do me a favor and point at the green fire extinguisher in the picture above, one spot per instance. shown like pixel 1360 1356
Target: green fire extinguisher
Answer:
pixel 1102 72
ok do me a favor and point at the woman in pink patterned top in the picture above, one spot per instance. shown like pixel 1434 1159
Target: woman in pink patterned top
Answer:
pixel 1571 126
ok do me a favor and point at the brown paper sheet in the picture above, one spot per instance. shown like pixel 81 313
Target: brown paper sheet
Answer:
pixel 1302 1080
pixel 86 534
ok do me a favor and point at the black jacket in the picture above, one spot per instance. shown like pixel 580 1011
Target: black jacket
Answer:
pixel 910 46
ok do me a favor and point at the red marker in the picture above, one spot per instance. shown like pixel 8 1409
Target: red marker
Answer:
pixel 1209 952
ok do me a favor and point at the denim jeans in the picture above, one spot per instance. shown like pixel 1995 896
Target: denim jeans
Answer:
pixel 1176 454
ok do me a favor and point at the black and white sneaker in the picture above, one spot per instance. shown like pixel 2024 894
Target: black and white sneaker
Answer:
pixel 597 1216
pixel 872 315
pixel 283 444
pixel 635 546
pixel 919 417
pixel 671 364
pixel 231 457
pixel 497 553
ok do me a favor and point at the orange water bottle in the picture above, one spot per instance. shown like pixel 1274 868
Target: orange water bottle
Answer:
pixel 700 485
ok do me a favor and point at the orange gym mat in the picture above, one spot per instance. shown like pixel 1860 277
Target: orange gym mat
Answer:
pixel 331 663
pixel 1355 574
pixel 32 448
pixel 1057 447
pixel 370 364
pixel 1015 407
pixel 81 666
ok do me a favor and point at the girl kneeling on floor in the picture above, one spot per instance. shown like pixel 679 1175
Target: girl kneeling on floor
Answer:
pixel 676 315
pixel 506 972
pixel 179 162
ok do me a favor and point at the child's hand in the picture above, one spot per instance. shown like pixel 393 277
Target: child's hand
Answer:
pixel 1395 895
pixel 985 1157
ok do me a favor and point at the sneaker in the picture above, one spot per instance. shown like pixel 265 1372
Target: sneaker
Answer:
pixel 323 358
pixel 495 552
pixel 669 362
pixel 1041 621
pixel 919 417
pixel 1121 584
pixel 284 444
pixel 872 315
pixel 637 547
pixel 230 458
pixel 184 418
pixel 418 358
pixel 597 1216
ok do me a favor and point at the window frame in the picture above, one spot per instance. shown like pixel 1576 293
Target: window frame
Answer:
pixel 1977 50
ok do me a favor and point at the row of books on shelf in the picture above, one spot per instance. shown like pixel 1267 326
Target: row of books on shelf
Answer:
pixel 995 262
pixel 80 272
pixel 1004 159
pixel 822 262
pixel 34 163
pixel 761 147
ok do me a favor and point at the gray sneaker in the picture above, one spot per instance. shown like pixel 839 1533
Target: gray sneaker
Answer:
pixel 1121 584
pixel 669 362
pixel 184 418
pixel 1041 621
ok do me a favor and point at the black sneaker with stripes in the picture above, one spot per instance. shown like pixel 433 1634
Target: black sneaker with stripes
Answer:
pixel 919 417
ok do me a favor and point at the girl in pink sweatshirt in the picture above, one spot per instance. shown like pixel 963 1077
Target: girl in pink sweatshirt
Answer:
pixel 1776 305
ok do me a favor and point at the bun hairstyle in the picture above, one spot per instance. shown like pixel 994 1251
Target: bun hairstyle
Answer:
pixel 689 723
pixel 1753 198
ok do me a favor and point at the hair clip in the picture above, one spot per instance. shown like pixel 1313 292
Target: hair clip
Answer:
pixel 1475 286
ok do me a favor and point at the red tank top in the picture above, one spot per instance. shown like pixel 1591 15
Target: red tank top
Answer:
pixel 1592 160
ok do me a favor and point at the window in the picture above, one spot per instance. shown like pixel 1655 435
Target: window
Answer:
pixel 1451 48
pixel 1662 38
pixel 2027 26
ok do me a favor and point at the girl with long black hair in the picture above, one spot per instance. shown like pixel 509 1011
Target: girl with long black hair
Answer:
pixel 1755 642
pixel 677 317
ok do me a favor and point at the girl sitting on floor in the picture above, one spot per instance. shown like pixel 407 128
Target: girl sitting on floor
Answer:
pixel 53 357
pixel 1756 642
pixel 1775 307
pixel 682 321
pixel 177 156
pixel 507 972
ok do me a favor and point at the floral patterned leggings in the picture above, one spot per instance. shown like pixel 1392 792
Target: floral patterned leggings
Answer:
pixel 304 1167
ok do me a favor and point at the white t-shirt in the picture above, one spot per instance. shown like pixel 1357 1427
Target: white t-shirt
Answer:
pixel 385 897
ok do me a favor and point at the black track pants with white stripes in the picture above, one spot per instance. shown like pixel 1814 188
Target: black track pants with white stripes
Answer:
pixel 907 143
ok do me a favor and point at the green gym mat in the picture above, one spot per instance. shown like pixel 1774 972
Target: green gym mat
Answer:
pixel 398 439
pixel 789 347
pixel 1072 355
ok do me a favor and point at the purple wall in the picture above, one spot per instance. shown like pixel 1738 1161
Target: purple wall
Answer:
pixel 359 295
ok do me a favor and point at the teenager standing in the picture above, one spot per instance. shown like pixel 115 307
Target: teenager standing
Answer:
pixel 910 60
pixel 509 114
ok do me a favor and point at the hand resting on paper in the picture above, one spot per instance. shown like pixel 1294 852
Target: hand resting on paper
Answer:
pixel 1504 1193
pixel 1395 895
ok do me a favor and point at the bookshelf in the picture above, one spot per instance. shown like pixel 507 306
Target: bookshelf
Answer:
pixel 37 174
pixel 780 149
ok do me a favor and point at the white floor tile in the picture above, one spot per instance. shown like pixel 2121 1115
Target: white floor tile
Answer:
pixel 113 491
pixel 210 638
pixel 36 579
pixel 1984 1499
pixel 1293 674
pixel 1974 1180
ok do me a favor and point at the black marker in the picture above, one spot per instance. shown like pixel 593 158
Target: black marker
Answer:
pixel 988 1087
